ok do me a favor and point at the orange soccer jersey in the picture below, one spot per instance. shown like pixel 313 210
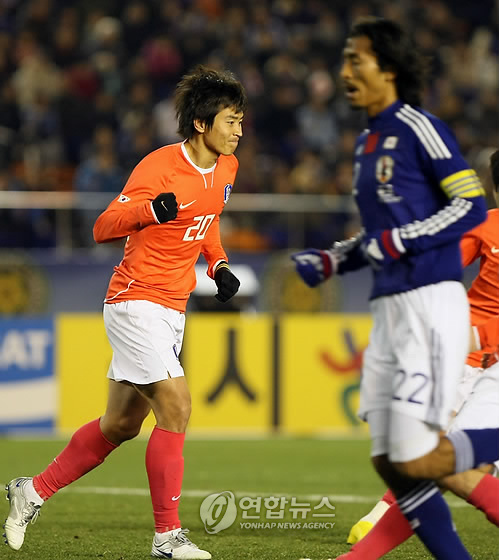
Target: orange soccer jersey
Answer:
pixel 483 242
pixel 158 262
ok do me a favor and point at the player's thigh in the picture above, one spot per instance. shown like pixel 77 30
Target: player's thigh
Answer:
pixel 378 366
pixel 410 438
pixel 146 339
pixel 126 410
pixel 379 430
pixel 431 344
pixel 169 399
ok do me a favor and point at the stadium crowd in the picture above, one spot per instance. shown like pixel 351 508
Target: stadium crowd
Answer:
pixel 86 91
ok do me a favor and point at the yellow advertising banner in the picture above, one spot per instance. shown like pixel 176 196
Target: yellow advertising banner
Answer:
pixel 298 373
pixel 228 362
pixel 83 355
pixel 227 359
pixel 320 362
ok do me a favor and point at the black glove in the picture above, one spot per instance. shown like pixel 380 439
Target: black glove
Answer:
pixel 165 207
pixel 226 282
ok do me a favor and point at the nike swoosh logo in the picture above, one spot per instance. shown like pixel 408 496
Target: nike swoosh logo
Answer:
pixel 495 250
pixel 175 498
pixel 182 205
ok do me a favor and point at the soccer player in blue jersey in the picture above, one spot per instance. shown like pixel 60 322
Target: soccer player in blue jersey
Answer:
pixel 416 197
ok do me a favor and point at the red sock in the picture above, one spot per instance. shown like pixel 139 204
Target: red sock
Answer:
pixel 165 469
pixel 485 497
pixel 389 532
pixel 389 498
pixel 86 450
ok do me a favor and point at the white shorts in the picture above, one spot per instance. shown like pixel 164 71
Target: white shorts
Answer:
pixel 481 408
pixel 416 353
pixel 401 437
pixel 146 339
pixel 465 385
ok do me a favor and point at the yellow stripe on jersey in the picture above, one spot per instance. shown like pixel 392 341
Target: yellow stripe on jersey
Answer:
pixel 464 184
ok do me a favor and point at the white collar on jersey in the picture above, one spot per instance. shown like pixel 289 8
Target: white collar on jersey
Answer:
pixel 201 170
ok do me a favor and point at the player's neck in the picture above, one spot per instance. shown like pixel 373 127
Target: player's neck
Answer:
pixel 200 154
pixel 383 103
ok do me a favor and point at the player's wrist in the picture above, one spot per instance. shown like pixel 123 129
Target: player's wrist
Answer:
pixel 392 243
pixel 221 264
pixel 330 262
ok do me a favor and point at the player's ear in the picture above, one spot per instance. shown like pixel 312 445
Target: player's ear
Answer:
pixel 199 126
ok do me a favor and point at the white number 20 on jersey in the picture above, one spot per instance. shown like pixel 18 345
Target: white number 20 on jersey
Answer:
pixel 199 229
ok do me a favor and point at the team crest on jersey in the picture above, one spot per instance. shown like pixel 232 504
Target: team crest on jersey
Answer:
pixel 123 198
pixel 384 169
pixel 227 191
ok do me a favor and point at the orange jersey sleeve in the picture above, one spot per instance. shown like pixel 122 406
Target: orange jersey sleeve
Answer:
pixel 483 242
pixel 212 247
pixel 159 259
pixel 131 211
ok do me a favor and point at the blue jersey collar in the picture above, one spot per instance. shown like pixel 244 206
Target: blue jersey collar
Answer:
pixel 385 114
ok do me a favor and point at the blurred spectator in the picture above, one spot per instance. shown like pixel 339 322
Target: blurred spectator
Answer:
pixel 10 124
pixel 136 143
pixel 137 25
pixel 163 62
pixel 24 227
pixel 36 76
pixel 99 173
pixel 316 121
pixel 65 47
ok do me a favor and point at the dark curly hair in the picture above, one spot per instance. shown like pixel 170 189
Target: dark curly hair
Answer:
pixel 202 94
pixel 396 52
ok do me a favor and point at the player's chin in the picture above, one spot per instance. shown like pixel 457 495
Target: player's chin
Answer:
pixel 356 104
pixel 230 148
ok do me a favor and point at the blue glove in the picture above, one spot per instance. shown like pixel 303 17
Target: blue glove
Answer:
pixel 383 247
pixel 314 266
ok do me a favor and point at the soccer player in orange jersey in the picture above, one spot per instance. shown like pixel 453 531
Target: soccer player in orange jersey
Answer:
pixel 169 212
pixel 477 403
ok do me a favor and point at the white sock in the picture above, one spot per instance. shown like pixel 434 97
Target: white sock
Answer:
pixel 376 513
pixel 31 494
pixel 171 533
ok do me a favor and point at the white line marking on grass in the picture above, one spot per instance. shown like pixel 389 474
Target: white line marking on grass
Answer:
pixel 338 498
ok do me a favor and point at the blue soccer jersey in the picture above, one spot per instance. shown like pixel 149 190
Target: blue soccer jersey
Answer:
pixel 411 181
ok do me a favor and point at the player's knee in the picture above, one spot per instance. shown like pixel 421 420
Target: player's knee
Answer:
pixel 181 409
pixel 129 429
pixel 416 468
pixel 119 430
pixel 185 412
pixel 431 466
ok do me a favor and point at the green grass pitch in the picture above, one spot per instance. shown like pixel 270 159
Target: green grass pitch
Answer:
pixel 107 514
